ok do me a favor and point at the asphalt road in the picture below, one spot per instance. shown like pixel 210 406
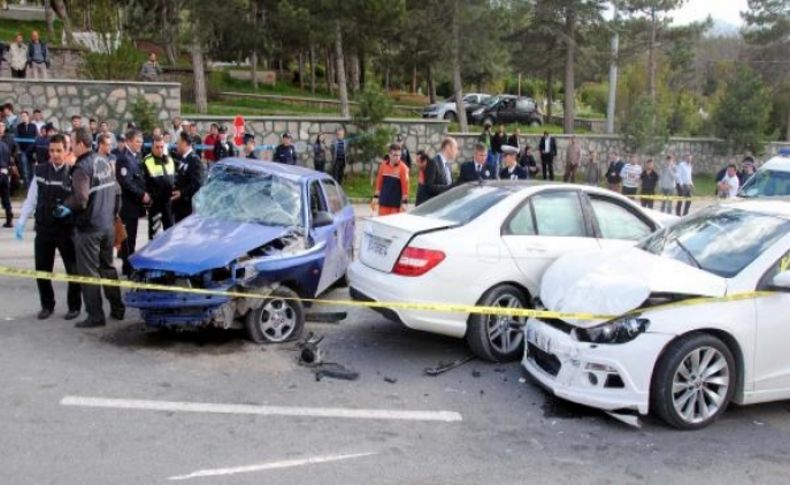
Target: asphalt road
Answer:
pixel 509 431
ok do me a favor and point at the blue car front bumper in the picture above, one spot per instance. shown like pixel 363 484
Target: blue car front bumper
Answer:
pixel 165 309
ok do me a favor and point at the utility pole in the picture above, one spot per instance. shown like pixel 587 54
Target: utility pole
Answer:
pixel 610 103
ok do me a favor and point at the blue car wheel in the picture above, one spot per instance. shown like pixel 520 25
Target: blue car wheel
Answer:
pixel 279 319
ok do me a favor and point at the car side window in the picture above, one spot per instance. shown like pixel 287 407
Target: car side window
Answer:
pixel 783 264
pixel 522 223
pixel 617 222
pixel 333 196
pixel 317 203
pixel 558 214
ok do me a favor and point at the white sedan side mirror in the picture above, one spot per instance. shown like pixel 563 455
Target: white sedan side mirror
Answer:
pixel 782 281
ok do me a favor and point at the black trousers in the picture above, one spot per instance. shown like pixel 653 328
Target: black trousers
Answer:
pixel 682 207
pixel 339 169
pixel 547 165
pixel 648 203
pixel 320 165
pixel 18 73
pixel 181 210
pixel 45 246
pixel 160 216
pixel 128 247
pixel 5 195
pixel 94 258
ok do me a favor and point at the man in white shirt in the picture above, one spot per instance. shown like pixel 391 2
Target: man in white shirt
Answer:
pixel 18 57
pixel 631 175
pixel 729 184
pixel 685 185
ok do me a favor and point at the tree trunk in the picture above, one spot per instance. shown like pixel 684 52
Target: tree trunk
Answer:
pixel 458 86
pixel 301 70
pixel 312 68
pixel 414 79
pixel 353 71
pixel 549 94
pixel 569 100
pixel 345 112
pixel 387 79
pixel 787 134
pixel 254 54
pixel 330 72
pixel 201 99
pixel 431 86
pixel 362 69
pixel 59 6
pixel 651 57
pixel 50 19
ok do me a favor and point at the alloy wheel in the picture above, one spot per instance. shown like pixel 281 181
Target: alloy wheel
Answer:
pixel 505 333
pixel 278 320
pixel 700 384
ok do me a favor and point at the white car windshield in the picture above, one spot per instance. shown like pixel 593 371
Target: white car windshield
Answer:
pixel 249 196
pixel 462 204
pixel 767 183
pixel 720 240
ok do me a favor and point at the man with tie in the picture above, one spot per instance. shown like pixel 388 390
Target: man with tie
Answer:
pixel 438 174
pixel 477 169
pixel 134 198
pixel 548 150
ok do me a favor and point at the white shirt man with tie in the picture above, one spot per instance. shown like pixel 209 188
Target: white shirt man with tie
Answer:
pixel 548 150
pixel 438 174
pixel 477 169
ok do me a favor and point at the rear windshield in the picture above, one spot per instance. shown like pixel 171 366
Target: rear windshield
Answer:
pixel 462 204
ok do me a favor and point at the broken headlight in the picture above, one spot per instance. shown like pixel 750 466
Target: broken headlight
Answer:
pixel 618 331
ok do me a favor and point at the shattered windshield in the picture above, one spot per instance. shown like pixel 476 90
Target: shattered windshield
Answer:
pixel 245 196
pixel 719 240
pixel 767 183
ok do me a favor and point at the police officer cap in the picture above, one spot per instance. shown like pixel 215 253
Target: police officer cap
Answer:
pixel 509 149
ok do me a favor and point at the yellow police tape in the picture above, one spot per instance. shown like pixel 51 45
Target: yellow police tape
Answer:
pixel 432 307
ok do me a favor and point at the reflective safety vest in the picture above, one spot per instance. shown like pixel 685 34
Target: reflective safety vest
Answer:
pixel 159 176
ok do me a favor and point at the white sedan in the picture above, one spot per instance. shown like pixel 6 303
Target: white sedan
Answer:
pixel 700 318
pixel 487 244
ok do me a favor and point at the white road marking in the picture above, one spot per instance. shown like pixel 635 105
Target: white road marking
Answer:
pixel 269 466
pixel 200 407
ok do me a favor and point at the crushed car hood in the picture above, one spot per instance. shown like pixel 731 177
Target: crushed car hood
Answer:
pixel 618 281
pixel 199 243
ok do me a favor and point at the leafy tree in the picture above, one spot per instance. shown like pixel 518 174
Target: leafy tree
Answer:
pixel 740 117
pixel 372 137
pixel 143 114
pixel 645 130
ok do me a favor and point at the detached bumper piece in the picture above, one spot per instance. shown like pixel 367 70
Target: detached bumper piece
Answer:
pixel 163 309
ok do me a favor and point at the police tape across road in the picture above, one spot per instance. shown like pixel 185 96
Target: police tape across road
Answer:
pixel 422 306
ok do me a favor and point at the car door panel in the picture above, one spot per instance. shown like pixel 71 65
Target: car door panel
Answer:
pixel 771 361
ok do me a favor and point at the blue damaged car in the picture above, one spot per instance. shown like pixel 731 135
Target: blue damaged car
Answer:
pixel 282 231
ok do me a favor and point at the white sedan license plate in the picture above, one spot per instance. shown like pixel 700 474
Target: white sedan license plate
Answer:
pixel 539 340
pixel 378 245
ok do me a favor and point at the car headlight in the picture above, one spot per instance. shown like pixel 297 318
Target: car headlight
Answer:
pixel 477 112
pixel 617 331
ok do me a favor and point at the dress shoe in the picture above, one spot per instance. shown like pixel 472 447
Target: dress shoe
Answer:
pixel 44 314
pixel 118 314
pixel 88 323
pixel 71 315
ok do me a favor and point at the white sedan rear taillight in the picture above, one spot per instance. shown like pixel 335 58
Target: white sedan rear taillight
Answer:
pixel 417 261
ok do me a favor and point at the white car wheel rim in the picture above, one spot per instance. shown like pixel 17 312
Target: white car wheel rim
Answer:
pixel 505 333
pixel 278 320
pixel 700 384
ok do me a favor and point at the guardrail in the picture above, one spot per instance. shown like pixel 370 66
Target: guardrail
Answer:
pixel 307 100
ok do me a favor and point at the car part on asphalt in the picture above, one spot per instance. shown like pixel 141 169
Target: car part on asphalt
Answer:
pixel 326 317
pixel 311 356
pixel 309 353
pixel 447 366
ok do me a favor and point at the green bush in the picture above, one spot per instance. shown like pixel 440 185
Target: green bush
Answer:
pixel 645 130
pixel 122 64
pixel 595 95
pixel 372 138
pixel 740 117
pixel 144 114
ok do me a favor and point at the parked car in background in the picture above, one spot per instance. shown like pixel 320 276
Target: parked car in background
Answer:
pixel 447 110
pixel 506 109
pixel 259 227
pixel 487 244
pixel 662 351
pixel 772 179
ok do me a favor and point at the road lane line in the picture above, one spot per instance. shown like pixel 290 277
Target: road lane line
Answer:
pixel 200 407
pixel 269 466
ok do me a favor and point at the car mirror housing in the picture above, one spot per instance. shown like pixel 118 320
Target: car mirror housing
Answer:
pixel 781 281
pixel 322 218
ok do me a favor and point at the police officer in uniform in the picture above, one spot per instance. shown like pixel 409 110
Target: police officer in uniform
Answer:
pixel 160 172
pixel 223 148
pixel 6 165
pixel 189 178
pixel 94 201
pixel 134 198
pixel 51 185
pixel 511 170
pixel 285 152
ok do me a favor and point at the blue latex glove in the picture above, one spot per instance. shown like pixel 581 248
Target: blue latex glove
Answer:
pixel 61 212
pixel 19 231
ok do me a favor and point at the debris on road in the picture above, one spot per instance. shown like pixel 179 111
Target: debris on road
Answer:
pixel 311 356
pixel 391 380
pixel 326 317
pixel 447 366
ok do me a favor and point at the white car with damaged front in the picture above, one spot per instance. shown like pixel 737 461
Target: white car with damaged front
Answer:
pixel 699 318
pixel 487 244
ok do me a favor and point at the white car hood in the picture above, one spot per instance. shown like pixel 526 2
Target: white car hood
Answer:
pixel 617 281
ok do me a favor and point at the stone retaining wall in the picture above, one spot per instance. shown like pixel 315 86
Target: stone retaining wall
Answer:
pixel 706 158
pixel 60 99
pixel 268 129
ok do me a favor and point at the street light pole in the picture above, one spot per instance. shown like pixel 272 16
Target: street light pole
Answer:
pixel 610 104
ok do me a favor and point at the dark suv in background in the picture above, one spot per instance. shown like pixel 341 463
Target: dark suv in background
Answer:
pixel 507 109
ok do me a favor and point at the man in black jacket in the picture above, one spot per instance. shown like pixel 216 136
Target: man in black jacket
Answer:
pixel 285 152
pixel 129 173
pixel 159 170
pixel 438 172
pixel 25 135
pixel 6 166
pixel 477 169
pixel 548 150
pixel 223 148
pixel 189 179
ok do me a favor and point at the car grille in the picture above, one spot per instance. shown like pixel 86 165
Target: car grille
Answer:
pixel 548 362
